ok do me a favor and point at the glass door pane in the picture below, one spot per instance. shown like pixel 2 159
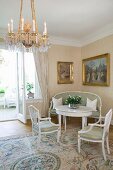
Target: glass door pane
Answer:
pixel 21 87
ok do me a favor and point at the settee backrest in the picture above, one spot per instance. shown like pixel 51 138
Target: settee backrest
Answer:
pixel 84 95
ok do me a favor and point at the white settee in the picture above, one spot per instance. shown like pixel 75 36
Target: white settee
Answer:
pixel 84 95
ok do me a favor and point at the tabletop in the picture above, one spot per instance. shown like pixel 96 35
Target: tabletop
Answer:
pixel 66 108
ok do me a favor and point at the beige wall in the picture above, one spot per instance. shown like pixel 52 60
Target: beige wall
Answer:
pixel 68 54
pixel 62 53
pixel 102 46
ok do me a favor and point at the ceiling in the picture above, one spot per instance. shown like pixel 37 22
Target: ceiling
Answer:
pixel 76 22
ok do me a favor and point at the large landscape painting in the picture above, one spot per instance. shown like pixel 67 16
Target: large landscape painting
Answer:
pixel 96 70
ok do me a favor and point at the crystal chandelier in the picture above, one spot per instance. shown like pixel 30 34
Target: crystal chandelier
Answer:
pixel 27 34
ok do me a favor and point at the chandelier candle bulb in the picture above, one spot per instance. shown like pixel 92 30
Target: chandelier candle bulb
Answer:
pixel 11 25
pixel 36 39
pixel 22 26
pixel 33 25
pixel 45 29
pixel 8 28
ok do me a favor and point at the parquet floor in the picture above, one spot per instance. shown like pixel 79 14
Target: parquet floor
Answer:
pixel 17 128
pixel 14 127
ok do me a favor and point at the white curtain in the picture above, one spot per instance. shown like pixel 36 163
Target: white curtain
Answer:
pixel 3 46
pixel 41 63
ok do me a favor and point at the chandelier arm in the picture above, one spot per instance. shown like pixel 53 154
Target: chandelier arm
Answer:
pixel 32 10
pixel 34 15
pixel 20 19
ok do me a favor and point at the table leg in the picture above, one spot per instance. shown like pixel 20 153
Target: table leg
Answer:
pixel 65 123
pixel 59 117
pixel 84 122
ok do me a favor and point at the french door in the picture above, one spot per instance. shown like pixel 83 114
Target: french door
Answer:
pixel 21 104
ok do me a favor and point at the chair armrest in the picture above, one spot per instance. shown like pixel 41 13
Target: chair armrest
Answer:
pixel 49 111
pixel 90 128
pixel 85 131
pixel 51 105
pixel 95 124
pixel 54 124
pixel 102 117
pixel 46 118
pixel 99 121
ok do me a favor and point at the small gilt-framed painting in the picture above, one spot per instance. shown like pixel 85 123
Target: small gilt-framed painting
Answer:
pixel 96 70
pixel 64 72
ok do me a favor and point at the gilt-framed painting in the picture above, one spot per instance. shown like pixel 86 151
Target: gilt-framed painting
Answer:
pixel 96 70
pixel 64 72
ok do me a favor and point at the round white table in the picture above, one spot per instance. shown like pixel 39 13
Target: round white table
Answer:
pixel 81 111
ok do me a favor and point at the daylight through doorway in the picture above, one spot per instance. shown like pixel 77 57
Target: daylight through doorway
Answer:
pixel 8 85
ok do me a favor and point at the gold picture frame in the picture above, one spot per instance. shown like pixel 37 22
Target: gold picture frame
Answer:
pixel 96 70
pixel 64 72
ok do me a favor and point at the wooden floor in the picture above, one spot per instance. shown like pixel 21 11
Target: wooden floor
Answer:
pixel 14 127
pixel 17 128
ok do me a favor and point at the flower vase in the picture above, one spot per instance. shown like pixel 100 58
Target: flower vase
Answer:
pixel 72 106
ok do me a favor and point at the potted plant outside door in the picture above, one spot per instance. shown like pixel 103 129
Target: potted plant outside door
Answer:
pixel 29 87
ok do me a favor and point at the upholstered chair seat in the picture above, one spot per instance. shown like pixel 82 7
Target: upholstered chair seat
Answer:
pixel 45 127
pixel 95 133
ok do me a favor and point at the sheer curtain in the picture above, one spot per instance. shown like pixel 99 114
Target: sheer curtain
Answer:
pixel 3 45
pixel 41 63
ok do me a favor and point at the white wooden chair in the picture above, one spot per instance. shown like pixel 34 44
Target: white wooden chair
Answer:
pixel 42 125
pixel 97 133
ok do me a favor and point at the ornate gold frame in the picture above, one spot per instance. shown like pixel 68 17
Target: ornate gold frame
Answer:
pixel 64 72
pixel 96 82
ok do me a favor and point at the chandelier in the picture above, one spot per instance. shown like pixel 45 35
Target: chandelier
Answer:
pixel 27 35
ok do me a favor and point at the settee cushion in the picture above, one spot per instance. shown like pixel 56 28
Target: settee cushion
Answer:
pixel 92 104
pixel 56 102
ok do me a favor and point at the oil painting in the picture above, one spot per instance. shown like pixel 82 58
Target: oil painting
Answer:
pixel 96 70
pixel 64 72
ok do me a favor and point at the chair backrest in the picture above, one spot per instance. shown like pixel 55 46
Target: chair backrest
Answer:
pixel 34 114
pixel 107 122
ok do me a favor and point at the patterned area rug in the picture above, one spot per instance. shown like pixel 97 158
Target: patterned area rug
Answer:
pixel 25 153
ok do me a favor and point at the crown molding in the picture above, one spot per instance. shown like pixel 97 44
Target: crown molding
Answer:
pixel 64 41
pixel 102 33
